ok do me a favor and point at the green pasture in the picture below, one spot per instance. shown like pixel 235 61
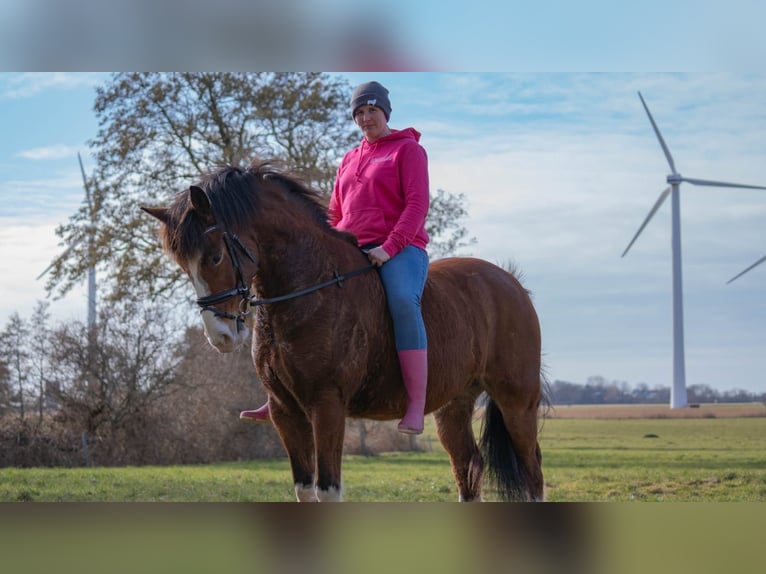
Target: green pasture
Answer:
pixel 584 460
pixel 700 460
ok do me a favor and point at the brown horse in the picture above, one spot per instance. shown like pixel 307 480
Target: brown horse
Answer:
pixel 323 342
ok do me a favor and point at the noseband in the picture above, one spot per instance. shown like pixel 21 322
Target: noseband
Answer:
pixel 234 247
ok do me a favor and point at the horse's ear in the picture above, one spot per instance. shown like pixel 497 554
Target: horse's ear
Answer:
pixel 161 213
pixel 201 204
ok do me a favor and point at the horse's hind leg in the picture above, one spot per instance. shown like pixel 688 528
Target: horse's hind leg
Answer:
pixel 523 427
pixel 453 424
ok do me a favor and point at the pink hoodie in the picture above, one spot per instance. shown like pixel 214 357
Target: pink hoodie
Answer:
pixel 381 192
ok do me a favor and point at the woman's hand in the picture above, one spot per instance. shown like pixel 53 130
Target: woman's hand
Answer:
pixel 378 256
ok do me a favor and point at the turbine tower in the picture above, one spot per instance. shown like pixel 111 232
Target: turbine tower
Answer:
pixel 678 390
pixel 91 269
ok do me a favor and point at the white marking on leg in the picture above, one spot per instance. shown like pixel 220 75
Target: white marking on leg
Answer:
pixel 305 493
pixel 332 494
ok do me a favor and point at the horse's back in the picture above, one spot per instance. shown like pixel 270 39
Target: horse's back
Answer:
pixel 480 321
pixel 480 292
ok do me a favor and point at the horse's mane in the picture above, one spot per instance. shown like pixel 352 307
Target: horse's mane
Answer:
pixel 235 198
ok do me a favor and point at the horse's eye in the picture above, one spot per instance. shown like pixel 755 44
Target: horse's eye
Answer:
pixel 216 259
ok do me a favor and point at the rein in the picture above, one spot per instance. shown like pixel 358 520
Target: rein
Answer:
pixel 233 246
pixel 337 279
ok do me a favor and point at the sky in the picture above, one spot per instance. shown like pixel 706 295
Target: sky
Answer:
pixel 497 35
pixel 558 170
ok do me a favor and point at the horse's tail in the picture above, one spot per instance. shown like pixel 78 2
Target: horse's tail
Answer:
pixel 503 466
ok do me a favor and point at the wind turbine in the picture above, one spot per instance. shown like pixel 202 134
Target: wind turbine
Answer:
pixel 68 250
pixel 741 273
pixel 678 391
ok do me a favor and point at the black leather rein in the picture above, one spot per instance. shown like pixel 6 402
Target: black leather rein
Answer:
pixel 336 280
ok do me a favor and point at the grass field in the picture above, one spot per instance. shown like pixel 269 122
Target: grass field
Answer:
pixel 589 454
pixel 703 411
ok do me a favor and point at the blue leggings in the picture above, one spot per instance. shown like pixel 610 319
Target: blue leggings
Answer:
pixel 404 277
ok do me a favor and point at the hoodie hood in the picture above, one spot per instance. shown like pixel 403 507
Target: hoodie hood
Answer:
pixel 365 148
pixel 396 135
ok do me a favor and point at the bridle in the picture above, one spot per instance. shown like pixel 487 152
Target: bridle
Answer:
pixel 235 247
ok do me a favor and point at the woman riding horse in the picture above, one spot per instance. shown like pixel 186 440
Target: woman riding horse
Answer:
pixel 257 242
pixel 381 196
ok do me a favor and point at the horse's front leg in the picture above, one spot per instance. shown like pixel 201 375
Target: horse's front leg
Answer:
pixel 329 421
pixel 297 436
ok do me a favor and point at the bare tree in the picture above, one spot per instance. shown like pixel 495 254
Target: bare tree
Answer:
pixel 5 386
pixel 15 355
pixel 206 415
pixel 38 345
pixel 105 388
pixel 444 224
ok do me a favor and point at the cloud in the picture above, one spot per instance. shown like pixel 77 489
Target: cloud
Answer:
pixel 27 250
pixel 49 152
pixel 29 84
pixel 30 199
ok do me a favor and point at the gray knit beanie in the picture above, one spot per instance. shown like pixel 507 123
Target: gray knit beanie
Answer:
pixel 373 94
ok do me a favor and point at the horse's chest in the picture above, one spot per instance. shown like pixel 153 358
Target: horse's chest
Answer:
pixel 287 358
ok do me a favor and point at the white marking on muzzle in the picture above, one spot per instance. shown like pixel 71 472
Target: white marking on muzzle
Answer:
pixel 220 332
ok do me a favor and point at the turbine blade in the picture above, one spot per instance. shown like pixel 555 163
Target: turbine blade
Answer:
pixel 659 136
pixel 741 273
pixel 694 181
pixel 657 204
pixel 59 258
pixel 46 270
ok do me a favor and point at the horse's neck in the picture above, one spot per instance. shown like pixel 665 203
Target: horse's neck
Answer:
pixel 288 262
